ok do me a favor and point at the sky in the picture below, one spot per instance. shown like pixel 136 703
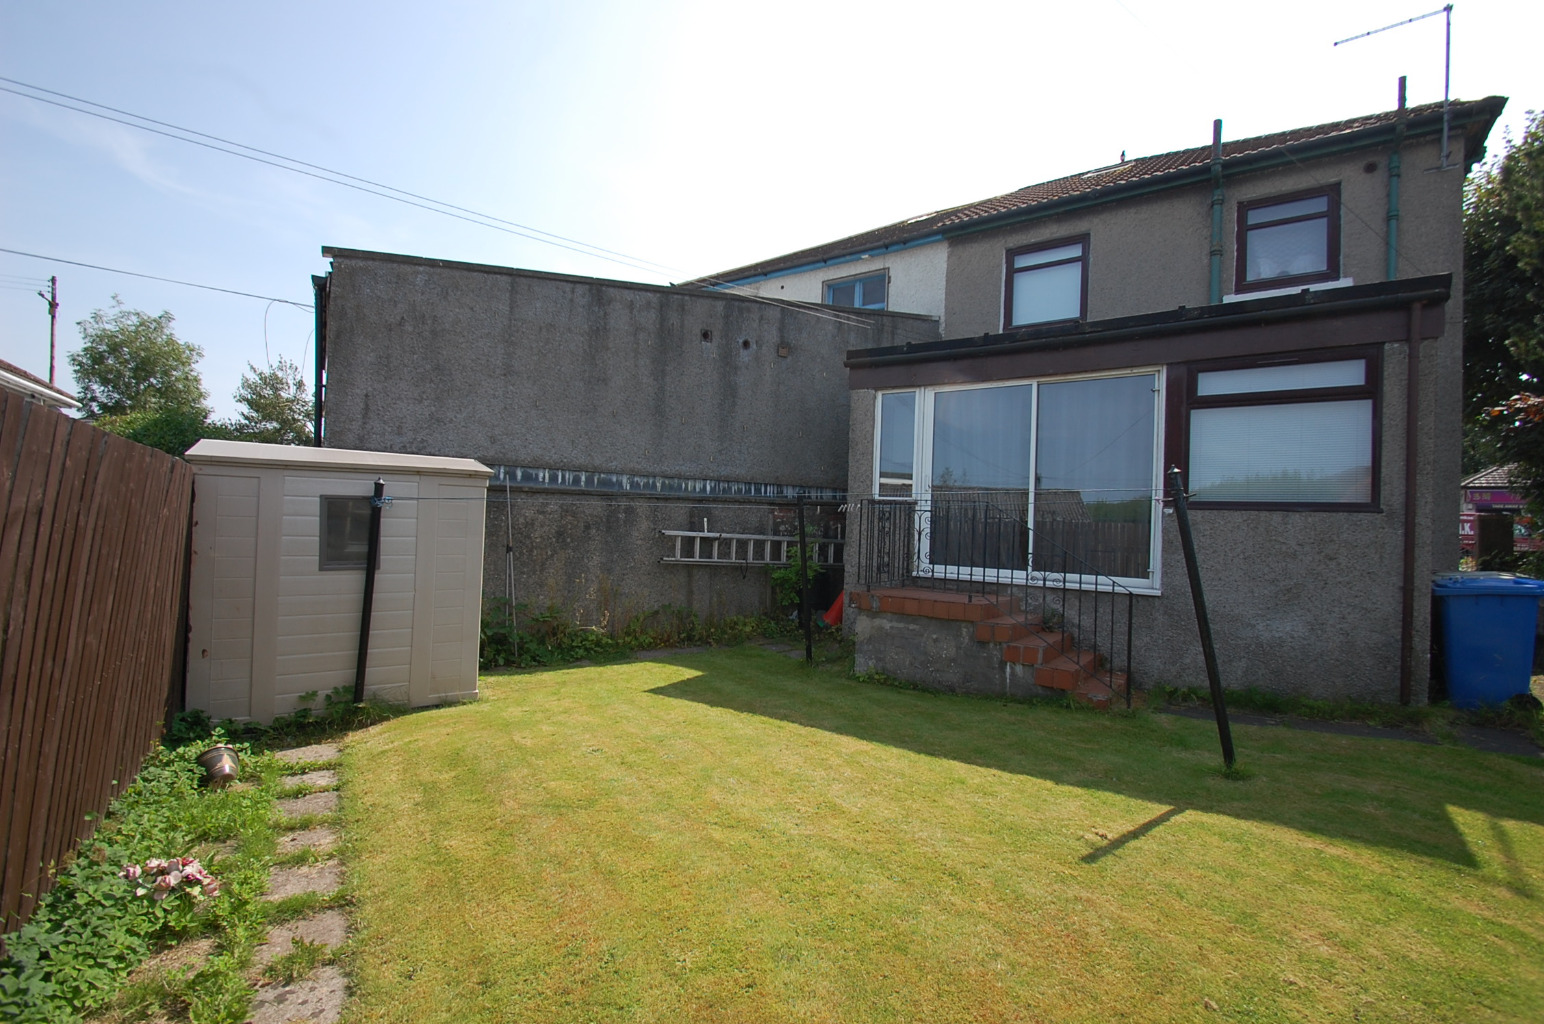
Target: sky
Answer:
pixel 687 137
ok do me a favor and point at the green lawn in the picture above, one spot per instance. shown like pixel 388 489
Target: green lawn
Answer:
pixel 730 837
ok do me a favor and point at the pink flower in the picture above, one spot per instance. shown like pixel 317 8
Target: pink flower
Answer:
pixel 130 871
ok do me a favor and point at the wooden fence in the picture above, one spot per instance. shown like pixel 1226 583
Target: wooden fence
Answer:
pixel 93 535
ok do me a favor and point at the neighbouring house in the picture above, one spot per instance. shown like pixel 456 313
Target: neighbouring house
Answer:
pixel 278 569
pixel 1493 491
pixel 1278 317
pixel 34 388
pixel 647 444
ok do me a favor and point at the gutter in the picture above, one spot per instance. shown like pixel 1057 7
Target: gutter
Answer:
pixel 1437 288
pixel 1277 156
pixel 41 394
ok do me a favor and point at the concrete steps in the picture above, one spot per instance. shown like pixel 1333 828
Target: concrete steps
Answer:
pixel 1051 655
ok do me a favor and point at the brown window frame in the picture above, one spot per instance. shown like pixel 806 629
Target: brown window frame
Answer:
pixel 1188 377
pixel 1010 272
pixel 1331 216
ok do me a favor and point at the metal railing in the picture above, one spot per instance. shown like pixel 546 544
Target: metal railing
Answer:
pixel 1045 576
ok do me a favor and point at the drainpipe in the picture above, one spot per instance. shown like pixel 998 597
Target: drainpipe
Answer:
pixel 1394 168
pixel 372 552
pixel 1216 290
pixel 320 285
pixel 1412 437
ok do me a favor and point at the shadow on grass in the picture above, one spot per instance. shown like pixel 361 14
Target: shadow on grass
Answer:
pixel 1377 792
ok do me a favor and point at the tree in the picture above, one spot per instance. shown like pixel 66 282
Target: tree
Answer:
pixel 1504 296
pixel 131 362
pixel 278 408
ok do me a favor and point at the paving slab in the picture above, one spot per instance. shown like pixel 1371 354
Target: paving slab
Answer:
pixel 292 881
pixel 317 998
pixel 311 803
pixel 329 928
pixel 315 752
pixel 324 778
pixel 319 839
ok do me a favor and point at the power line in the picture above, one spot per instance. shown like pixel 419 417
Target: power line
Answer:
pixel 403 196
pixel 154 277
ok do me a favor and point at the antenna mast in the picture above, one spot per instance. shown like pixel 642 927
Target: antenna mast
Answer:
pixel 1447 68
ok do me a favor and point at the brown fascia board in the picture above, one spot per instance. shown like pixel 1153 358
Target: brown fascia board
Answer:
pixel 1184 320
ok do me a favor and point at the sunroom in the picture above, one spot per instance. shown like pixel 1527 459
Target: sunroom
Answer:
pixel 1008 521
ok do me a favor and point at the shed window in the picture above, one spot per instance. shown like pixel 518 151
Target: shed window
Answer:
pixel 345 533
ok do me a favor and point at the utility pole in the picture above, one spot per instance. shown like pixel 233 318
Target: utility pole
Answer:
pixel 52 298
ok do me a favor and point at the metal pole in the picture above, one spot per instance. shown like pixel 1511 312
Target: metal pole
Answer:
pixel 372 552
pixel 1203 624
pixel 804 591
pixel 52 298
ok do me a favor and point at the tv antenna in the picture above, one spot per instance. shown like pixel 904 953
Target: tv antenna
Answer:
pixel 1447 66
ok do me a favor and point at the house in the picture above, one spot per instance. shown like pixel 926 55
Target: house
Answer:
pixel 34 388
pixel 1493 491
pixel 645 442
pixel 1277 317
pixel 278 570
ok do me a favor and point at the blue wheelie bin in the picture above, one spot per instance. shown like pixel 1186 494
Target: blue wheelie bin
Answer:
pixel 1488 622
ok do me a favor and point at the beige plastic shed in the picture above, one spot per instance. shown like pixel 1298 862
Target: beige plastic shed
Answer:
pixel 279 540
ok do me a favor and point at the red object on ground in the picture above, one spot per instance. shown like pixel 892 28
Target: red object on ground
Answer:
pixel 833 615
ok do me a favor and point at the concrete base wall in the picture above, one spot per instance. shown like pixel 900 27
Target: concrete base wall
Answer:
pixel 938 655
pixel 597 558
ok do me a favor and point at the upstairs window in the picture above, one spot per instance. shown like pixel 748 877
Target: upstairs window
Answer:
pixel 869 292
pixel 1047 284
pixel 1289 240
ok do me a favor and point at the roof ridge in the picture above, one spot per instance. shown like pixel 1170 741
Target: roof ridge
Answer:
pixel 911 230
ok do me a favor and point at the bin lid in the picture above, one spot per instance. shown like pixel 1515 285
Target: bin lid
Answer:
pixel 1455 584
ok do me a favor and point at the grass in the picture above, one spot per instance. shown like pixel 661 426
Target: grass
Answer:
pixel 728 836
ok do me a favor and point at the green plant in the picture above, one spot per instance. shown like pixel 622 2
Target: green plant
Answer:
pixel 96 925
pixel 788 580
pixel 303 958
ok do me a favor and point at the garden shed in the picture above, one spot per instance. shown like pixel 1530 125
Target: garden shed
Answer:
pixel 276 594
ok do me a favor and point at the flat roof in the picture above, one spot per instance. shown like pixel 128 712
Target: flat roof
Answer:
pixel 209 452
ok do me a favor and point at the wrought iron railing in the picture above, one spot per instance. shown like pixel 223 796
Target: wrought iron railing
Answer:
pixel 1047 575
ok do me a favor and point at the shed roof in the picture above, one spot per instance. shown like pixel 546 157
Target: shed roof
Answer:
pixel 23 382
pixel 209 452
pixel 1472 119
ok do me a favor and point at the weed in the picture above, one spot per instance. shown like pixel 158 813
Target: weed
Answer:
pixel 302 958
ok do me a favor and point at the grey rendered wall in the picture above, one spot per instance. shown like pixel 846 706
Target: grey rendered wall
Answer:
pixel 519 368
pixel 1153 253
pixel 599 561
pixel 1300 602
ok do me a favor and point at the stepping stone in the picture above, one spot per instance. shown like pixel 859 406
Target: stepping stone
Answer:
pixel 324 778
pixel 315 752
pixel 318 998
pixel 329 928
pixel 320 839
pixel 292 881
pixel 311 803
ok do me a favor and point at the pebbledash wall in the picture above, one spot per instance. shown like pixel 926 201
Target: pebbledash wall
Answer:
pixel 1302 601
pixel 608 411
